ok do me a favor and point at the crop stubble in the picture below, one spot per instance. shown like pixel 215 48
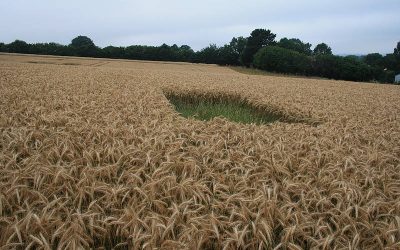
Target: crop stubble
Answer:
pixel 93 155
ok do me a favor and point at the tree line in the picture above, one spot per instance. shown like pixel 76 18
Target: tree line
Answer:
pixel 260 50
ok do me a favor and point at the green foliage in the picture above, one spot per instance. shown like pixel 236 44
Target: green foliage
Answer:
pixel 227 55
pixel 18 46
pixel 354 58
pixel 50 49
pixel 352 68
pixel 277 59
pixel 296 45
pixel 209 54
pixel 258 38
pixel 322 49
pixel 383 76
pixel 205 109
pixel 396 50
pixel 3 47
pixel 167 53
pixel 380 72
pixel 84 46
pixel 237 45
pixel 391 62
pixel 185 53
pixel 396 55
pixel 113 52
pixel 374 59
pixel 141 52
pixel 342 68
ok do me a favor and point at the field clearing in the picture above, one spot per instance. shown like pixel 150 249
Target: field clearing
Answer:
pixel 92 155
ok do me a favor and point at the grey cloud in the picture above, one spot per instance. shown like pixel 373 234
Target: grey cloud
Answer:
pixel 348 26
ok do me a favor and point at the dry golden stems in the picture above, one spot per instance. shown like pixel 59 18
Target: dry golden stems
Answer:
pixel 94 156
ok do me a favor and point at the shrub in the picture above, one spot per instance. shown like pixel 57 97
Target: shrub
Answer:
pixel 341 68
pixel 282 60
pixel 3 47
pixel 18 46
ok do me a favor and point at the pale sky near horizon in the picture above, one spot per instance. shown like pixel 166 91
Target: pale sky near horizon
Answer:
pixel 348 26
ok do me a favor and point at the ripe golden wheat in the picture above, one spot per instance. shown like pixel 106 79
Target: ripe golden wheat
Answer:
pixel 92 155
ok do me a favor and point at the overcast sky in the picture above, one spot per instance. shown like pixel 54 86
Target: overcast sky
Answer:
pixel 348 26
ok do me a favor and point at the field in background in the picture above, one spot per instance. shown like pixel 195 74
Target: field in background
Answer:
pixel 254 71
pixel 92 154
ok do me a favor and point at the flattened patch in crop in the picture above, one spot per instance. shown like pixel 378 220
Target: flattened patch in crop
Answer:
pixel 236 110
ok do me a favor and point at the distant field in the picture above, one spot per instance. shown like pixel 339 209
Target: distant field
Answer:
pixel 93 155
pixel 253 71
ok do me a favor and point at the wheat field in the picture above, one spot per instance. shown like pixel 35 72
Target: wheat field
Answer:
pixel 92 155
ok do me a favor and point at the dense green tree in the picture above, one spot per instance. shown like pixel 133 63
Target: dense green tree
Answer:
pixel 166 53
pixel 257 39
pixel 3 47
pixel 342 68
pixel 354 58
pixel 353 69
pixel 391 62
pixel 382 75
pixel 237 45
pixel 396 51
pixel 186 53
pixel 227 55
pixel 396 54
pixel 113 52
pixel 379 71
pixel 296 45
pixel 18 46
pixel 326 66
pixel 139 52
pixel 374 59
pixel 160 53
pixel 50 49
pixel 84 46
pixel 322 49
pixel 277 59
pixel 209 54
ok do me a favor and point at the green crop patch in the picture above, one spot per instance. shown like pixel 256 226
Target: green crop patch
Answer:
pixel 203 108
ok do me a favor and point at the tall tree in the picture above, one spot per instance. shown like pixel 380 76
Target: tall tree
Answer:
pixel 186 53
pixel 209 54
pixel 227 55
pixel 322 49
pixel 3 47
pixel 396 54
pixel 374 59
pixel 258 38
pixel 397 50
pixel 164 53
pixel 392 61
pixel 238 44
pixel 113 52
pixel 296 45
pixel 84 46
pixel 278 59
pixel 18 46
